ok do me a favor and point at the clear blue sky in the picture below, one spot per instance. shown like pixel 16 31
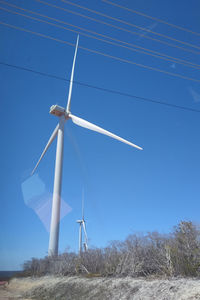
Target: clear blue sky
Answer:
pixel 126 190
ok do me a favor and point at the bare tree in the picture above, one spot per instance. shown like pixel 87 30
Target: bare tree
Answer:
pixel 186 249
pixel 176 254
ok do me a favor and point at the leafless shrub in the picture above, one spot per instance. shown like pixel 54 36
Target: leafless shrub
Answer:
pixel 177 254
pixel 185 249
pixel 93 260
pixel 112 258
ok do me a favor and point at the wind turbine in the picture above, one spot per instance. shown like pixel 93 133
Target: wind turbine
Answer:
pixel 64 114
pixel 82 224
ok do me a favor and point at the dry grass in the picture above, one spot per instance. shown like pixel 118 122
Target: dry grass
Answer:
pixel 79 288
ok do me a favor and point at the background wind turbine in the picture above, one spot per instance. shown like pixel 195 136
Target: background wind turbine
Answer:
pixel 64 115
pixel 82 225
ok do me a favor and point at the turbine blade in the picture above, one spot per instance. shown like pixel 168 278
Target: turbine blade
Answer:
pixel 80 122
pixel 71 79
pixel 46 147
pixel 83 198
pixel 85 233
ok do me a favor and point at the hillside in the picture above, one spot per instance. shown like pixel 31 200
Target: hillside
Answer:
pixel 80 288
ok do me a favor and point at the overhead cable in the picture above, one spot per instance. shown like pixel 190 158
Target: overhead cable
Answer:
pixel 100 88
pixel 111 25
pixel 119 28
pixel 101 53
pixel 152 18
pixel 133 25
pixel 158 55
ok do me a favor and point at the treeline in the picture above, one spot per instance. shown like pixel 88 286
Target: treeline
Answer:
pixel 176 254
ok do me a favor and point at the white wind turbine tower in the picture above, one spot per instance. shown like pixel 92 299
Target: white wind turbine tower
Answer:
pixel 64 114
pixel 82 225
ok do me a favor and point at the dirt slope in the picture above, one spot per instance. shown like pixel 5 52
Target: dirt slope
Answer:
pixel 77 288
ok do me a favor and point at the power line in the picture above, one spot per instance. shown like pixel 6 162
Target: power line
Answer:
pixel 100 88
pixel 138 27
pixel 116 27
pixel 152 18
pixel 119 28
pixel 108 24
pixel 101 53
pixel 158 55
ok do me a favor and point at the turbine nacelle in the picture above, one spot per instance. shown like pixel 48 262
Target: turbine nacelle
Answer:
pixel 79 221
pixel 58 111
